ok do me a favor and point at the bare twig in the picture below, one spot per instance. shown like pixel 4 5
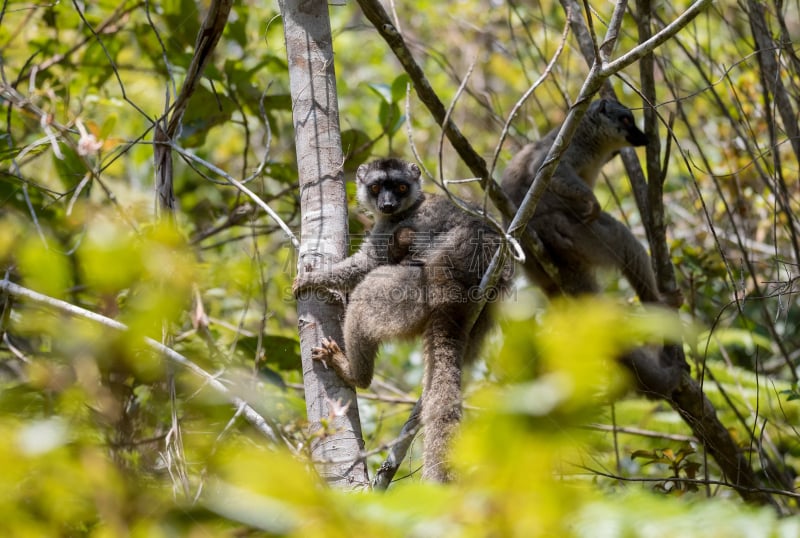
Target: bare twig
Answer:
pixel 630 430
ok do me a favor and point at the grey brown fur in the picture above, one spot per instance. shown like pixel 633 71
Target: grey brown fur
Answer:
pixel 415 275
pixel 578 236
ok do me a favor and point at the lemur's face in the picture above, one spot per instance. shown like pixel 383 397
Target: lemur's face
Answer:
pixel 388 186
pixel 619 122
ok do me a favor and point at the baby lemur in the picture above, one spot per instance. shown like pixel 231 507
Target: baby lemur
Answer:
pixel 578 236
pixel 416 274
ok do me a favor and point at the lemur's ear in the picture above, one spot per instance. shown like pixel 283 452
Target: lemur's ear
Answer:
pixel 414 170
pixel 361 172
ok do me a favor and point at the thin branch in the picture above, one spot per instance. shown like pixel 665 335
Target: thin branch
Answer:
pixel 239 185
pixel 657 40
pixel 543 177
pixel 607 47
pixel 252 416
pixel 700 482
pixel 630 430
pixel 525 96
pixel 449 113
pixel 398 450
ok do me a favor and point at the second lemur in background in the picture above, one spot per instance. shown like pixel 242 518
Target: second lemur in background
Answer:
pixel 416 274
pixel 578 236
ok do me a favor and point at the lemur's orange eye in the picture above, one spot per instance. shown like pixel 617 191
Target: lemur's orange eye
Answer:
pixel 375 188
pixel 402 188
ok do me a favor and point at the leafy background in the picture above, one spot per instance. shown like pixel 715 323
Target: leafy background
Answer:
pixel 102 436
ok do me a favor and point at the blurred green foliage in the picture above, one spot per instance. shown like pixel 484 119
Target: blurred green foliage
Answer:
pixel 102 436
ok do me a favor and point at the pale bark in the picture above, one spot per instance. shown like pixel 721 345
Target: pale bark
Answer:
pixel 332 408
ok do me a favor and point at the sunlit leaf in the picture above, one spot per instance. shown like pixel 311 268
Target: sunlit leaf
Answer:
pixel 399 87
pixel 43 266
pixel 384 91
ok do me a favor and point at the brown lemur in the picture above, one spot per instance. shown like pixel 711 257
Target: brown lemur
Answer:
pixel 416 274
pixel 579 237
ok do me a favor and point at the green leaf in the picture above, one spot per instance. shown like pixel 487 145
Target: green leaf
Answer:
pixel 399 88
pixel 281 101
pixel 95 62
pixel 281 352
pixel 6 153
pixel 792 394
pixel 182 20
pixel 356 145
pixel 747 339
pixel 11 193
pixel 206 110
pixel 71 168
pixel 384 91
pixel 107 129
pixel 390 117
pixel 237 30
pixel 44 268
pixel 271 376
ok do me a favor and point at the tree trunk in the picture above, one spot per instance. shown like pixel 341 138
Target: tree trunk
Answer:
pixel 332 408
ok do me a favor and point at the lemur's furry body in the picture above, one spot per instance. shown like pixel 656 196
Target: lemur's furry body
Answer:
pixel 416 274
pixel 578 236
